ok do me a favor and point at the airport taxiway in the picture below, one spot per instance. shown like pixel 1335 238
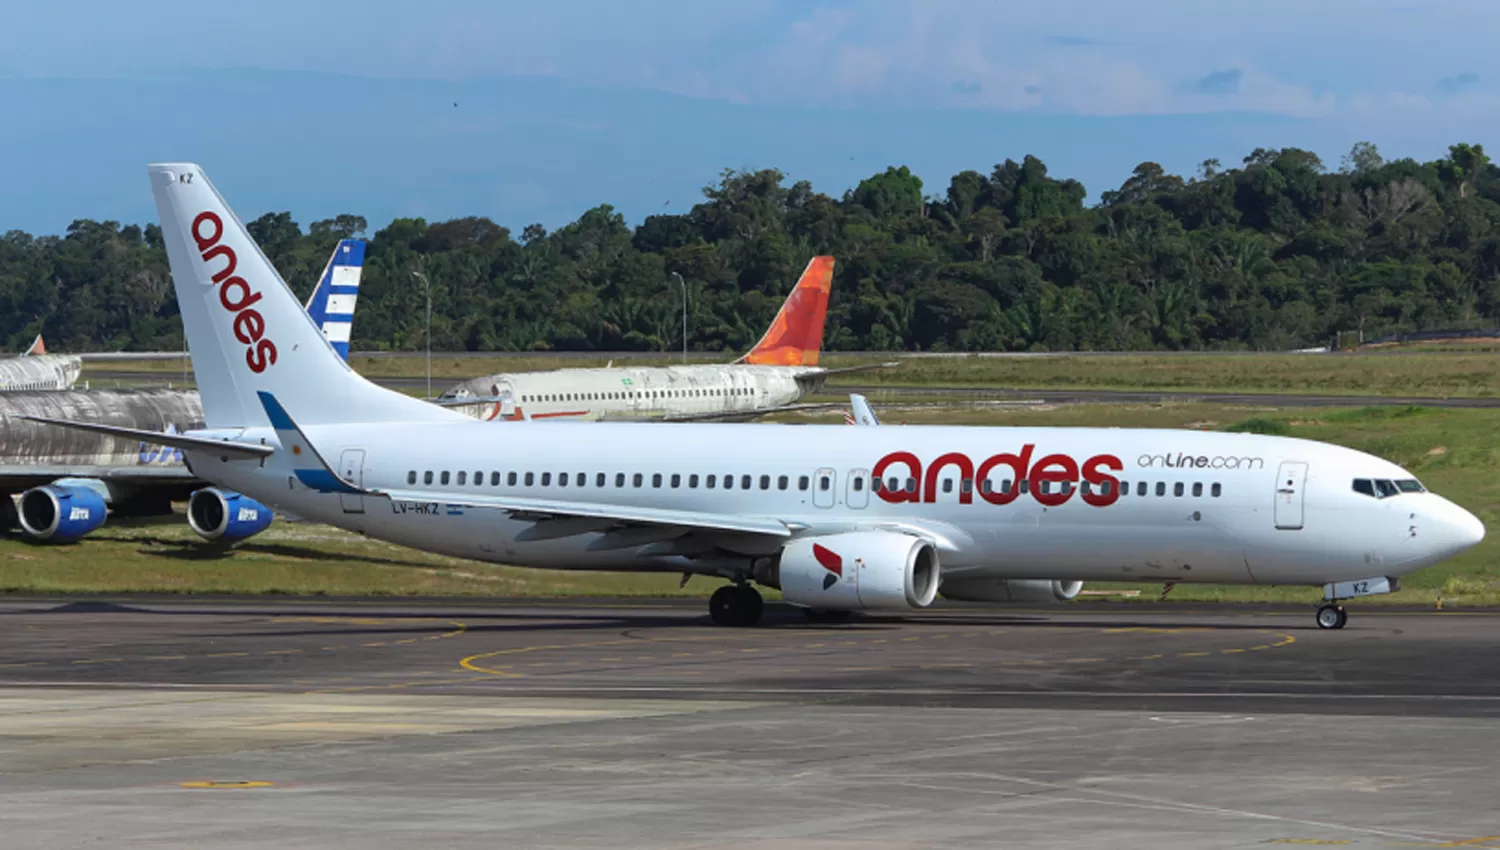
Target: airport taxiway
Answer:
pixel 317 723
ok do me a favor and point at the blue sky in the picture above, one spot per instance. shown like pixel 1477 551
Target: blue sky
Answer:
pixel 323 108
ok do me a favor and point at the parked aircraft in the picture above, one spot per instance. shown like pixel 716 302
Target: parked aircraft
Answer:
pixel 35 369
pixel 838 518
pixel 67 479
pixel 781 369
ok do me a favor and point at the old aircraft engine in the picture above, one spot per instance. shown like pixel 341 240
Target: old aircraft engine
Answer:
pixel 226 516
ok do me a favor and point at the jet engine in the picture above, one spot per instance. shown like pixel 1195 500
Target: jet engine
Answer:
pixel 1028 591
pixel 226 516
pixel 60 513
pixel 855 571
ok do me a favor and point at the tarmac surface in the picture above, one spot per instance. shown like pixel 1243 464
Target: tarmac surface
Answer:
pixel 512 723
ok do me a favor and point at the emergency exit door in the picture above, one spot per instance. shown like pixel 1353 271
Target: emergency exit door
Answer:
pixel 1291 481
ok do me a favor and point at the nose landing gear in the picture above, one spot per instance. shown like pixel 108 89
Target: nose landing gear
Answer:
pixel 1332 616
pixel 735 605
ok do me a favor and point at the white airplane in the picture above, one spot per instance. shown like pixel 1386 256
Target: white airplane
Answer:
pixel 781 369
pixel 839 519
pixel 35 369
pixel 69 482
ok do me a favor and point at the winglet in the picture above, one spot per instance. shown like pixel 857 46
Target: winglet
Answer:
pixel 307 463
pixel 795 337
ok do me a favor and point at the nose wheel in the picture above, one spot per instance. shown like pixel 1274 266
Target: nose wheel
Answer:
pixel 735 605
pixel 1332 616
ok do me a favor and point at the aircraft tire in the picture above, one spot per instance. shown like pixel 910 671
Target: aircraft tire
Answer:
pixel 1332 617
pixel 735 605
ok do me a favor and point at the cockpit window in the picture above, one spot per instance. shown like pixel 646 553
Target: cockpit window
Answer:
pixel 1381 488
pixel 1385 489
pixel 1411 485
pixel 1363 485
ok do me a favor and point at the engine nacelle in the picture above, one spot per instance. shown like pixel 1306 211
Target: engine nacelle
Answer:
pixel 60 513
pixel 858 570
pixel 225 515
pixel 1027 591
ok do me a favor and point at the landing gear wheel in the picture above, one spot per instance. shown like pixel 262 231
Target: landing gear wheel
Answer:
pixel 1332 617
pixel 735 605
pixel 826 615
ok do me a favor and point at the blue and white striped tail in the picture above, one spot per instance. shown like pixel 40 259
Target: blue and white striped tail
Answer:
pixel 332 303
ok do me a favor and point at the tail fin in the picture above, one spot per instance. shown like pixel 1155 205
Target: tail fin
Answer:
pixel 795 337
pixel 331 305
pixel 246 330
pixel 38 347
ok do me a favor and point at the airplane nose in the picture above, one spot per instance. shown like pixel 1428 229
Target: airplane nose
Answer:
pixel 1460 529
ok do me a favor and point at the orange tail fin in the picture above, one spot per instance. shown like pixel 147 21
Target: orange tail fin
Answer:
pixel 795 337
pixel 37 347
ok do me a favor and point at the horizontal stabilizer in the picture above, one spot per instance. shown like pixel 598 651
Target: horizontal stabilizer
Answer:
pixel 225 448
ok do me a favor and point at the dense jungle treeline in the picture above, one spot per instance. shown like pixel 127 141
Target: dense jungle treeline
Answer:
pixel 1277 253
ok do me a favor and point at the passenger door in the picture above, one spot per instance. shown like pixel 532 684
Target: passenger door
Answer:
pixel 352 470
pixel 1291 481
pixel 825 482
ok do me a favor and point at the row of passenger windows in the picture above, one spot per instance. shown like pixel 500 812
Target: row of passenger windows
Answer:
pixel 781 482
pixel 1381 488
pixel 623 395
pixel 966 485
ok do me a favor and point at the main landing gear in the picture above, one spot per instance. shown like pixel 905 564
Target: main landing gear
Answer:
pixel 1332 616
pixel 735 605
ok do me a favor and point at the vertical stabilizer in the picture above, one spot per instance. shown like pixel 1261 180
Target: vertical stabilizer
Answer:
pixel 38 347
pixel 795 337
pixel 245 329
pixel 331 305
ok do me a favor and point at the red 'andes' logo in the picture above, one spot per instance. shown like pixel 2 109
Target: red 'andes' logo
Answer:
pixel 235 295
pixel 1053 468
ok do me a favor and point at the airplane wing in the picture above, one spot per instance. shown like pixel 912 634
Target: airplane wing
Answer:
pixel 23 476
pixel 224 447
pixel 314 472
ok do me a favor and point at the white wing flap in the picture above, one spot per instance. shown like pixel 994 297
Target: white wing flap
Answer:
pixel 541 508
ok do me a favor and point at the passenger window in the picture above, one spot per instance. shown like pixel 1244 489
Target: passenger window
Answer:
pixel 1066 487
pixel 708 482
pixel 494 479
pixel 1124 488
pixel 744 482
pixel 1177 489
pixel 729 482
pixel 411 477
pixel 802 482
pixel 619 479
pixel 765 482
pixel 1161 488
pixel 562 479
pixel 857 481
pixel 911 485
pixel 582 479
pixel 530 478
pixel 1140 488
pixel 825 483
pixel 782 481
pixel 510 479
pixel 966 486
pixel 600 479
pixel 1215 491
pixel 676 481
pixel 445 477
pixel 692 482
pixel 637 479
pixel 546 479
pixel 1197 489
pixel 463 478
pixel 656 480
pixel 1085 488
pixel 1025 485
pixel 478 479
pixel 947 485
pixel 1106 487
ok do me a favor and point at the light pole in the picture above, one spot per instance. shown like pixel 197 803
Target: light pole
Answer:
pixel 427 291
pixel 684 314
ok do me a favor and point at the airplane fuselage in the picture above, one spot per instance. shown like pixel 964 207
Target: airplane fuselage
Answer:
pixel 1057 503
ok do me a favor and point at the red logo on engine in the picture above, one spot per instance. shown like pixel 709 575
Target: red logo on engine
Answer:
pixel 235 295
pixel 831 562
pixel 1059 469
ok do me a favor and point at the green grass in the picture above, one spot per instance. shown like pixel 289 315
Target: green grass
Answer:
pixel 1460 373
